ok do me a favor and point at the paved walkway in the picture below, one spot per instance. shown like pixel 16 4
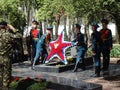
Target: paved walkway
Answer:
pixel 24 70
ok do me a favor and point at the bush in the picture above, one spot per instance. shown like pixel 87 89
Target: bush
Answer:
pixel 27 84
pixel 115 52
pixel 38 86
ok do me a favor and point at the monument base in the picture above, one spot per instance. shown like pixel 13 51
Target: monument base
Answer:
pixel 60 67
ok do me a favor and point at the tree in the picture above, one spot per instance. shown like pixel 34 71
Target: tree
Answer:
pixel 111 10
pixel 10 12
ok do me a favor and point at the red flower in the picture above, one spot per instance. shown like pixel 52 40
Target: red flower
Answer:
pixel 17 79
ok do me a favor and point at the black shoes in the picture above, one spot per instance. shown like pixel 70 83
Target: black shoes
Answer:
pixel 33 67
pixel 95 75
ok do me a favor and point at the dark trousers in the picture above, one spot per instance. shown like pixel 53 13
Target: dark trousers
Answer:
pixel 34 45
pixel 106 58
pixel 97 63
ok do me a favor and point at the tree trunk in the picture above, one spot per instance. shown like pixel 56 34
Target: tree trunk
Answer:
pixel 69 29
pixel 117 22
pixel 87 32
pixel 65 31
pixel 56 28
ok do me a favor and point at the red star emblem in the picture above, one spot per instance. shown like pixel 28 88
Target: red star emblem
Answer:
pixel 57 49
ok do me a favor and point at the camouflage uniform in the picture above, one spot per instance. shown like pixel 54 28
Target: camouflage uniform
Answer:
pixel 6 40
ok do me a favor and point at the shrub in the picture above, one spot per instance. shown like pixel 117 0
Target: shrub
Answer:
pixel 115 52
pixel 27 84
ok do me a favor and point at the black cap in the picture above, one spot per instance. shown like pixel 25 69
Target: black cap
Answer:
pixel 104 21
pixel 49 27
pixel 95 25
pixel 36 22
pixel 3 23
pixel 78 25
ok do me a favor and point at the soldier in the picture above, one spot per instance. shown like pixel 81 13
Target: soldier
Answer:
pixel 96 49
pixel 81 48
pixel 106 45
pixel 7 35
pixel 42 44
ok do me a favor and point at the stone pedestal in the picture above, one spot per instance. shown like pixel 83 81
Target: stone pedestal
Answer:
pixel 60 67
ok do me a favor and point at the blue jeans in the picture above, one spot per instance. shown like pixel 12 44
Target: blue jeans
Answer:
pixel 40 50
pixel 80 53
pixel 96 58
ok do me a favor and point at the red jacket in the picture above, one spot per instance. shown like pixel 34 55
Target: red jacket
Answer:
pixel 34 33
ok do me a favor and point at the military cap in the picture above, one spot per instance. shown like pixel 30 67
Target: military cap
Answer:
pixel 36 22
pixel 77 25
pixel 3 23
pixel 95 24
pixel 104 21
pixel 49 27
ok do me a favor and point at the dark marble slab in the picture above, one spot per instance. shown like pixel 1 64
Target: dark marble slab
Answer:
pixel 60 67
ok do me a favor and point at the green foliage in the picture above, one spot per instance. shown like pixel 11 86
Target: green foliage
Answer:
pixel 13 85
pixel 89 52
pixel 115 52
pixel 27 84
pixel 38 86
pixel 9 11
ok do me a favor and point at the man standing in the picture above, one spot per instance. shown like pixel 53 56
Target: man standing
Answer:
pixel 107 45
pixel 96 49
pixel 81 48
pixel 34 37
pixel 7 35
pixel 42 45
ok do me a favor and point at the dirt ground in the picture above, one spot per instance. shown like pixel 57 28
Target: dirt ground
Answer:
pixel 108 83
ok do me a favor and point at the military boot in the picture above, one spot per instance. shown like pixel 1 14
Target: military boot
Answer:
pixel 76 67
pixel 97 72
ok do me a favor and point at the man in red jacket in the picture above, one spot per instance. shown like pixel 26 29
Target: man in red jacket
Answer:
pixel 33 33
pixel 107 45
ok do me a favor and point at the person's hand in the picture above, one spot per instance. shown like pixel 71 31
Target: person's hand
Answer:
pixel 72 44
pixel 93 53
pixel 11 27
pixel 89 45
pixel 76 43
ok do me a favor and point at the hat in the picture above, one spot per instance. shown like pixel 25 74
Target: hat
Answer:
pixel 95 24
pixel 104 21
pixel 36 22
pixel 77 25
pixel 3 23
pixel 49 27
